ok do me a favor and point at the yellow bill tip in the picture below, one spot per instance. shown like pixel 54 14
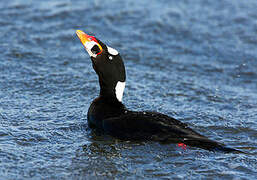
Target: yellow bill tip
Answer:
pixel 82 36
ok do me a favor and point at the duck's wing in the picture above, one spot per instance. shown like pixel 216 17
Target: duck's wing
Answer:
pixel 157 127
pixel 149 124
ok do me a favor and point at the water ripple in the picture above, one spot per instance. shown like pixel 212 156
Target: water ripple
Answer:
pixel 195 61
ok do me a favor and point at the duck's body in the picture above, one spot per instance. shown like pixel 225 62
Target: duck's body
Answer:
pixel 107 112
pixel 104 108
pixel 113 118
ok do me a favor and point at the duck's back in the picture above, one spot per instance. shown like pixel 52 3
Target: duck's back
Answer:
pixel 157 127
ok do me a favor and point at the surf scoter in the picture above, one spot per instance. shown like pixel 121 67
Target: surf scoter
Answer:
pixel 107 113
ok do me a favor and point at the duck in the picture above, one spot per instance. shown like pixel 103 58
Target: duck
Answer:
pixel 108 114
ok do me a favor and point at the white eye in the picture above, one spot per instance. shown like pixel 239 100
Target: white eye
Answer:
pixel 95 49
pixel 90 46
pixel 112 51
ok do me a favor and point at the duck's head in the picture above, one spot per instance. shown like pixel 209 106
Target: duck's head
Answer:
pixel 108 65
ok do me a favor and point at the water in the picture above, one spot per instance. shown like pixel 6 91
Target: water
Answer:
pixel 193 60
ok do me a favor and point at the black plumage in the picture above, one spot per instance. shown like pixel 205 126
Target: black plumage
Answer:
pixel 108 114
pixel 112 117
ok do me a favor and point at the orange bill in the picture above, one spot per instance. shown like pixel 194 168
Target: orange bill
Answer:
pixel 84 38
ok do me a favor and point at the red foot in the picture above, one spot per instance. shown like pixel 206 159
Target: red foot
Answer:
pixel 182 145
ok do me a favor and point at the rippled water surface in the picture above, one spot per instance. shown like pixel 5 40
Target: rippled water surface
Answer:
pixel 193 60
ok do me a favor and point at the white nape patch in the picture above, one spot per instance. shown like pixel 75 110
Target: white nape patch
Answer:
pixel 119 89
pixel 88 45
pixel 112 51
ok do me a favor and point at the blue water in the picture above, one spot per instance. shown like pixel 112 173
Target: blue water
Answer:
pixel 193 60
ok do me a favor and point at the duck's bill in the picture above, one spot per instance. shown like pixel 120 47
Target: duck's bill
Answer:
pixel 90 43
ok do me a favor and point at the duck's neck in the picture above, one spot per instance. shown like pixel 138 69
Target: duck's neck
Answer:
pixel 119 90
pixel 114 91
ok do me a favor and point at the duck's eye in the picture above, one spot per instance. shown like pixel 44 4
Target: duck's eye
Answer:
pixel 95 49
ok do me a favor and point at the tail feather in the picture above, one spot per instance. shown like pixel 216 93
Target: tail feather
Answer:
pixel 197 141
pixel 227 149
pixel 210 145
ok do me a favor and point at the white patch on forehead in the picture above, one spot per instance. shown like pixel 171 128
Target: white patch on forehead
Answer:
pixel 88 45
pixel 112 51
pixel 119 89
